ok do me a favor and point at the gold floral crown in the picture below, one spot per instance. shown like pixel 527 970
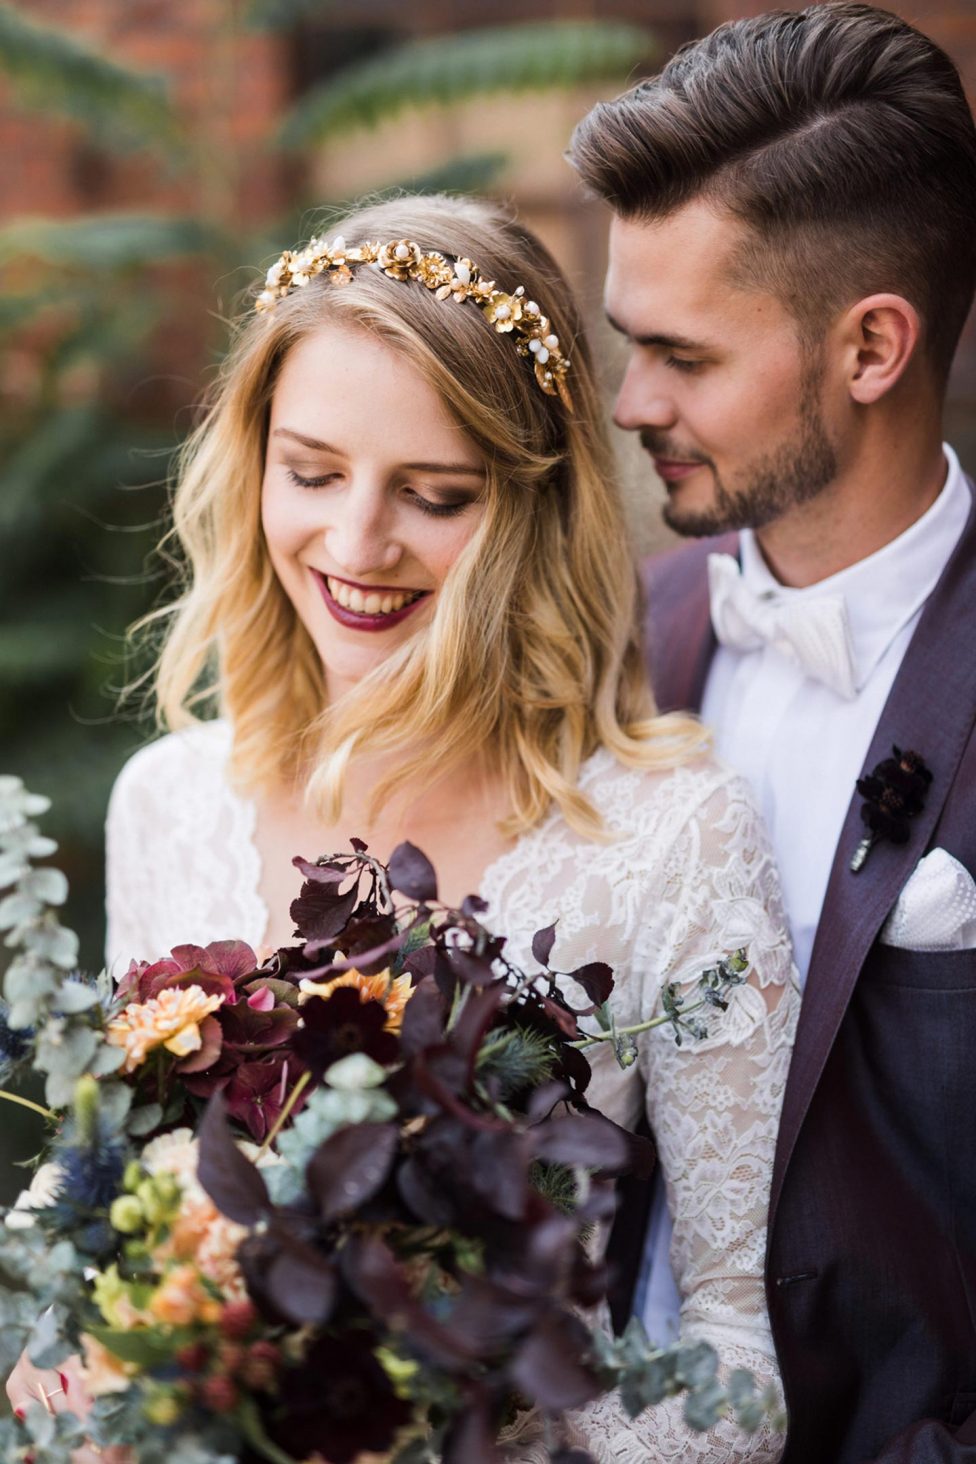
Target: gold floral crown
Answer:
pixel 460 279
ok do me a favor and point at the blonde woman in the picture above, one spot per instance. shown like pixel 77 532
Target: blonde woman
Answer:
pixel 411 605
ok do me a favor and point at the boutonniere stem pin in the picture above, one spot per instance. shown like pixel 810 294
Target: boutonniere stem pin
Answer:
pixel 893 794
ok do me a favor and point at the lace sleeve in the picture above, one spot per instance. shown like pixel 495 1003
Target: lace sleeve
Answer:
pixel 182 865
pixel 126 936
pixel 714 1108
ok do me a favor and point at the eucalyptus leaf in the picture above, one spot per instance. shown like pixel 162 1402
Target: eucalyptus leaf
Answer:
pixel 73 997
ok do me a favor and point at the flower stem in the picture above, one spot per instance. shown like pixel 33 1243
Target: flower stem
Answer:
pixel 253 1431
pixel 285 1113
pixel 29 1103
pixel 594 1037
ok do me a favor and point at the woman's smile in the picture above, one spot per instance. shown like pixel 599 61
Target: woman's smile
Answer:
pixel 367 607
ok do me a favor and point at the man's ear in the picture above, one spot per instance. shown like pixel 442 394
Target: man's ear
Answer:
pixel 880 335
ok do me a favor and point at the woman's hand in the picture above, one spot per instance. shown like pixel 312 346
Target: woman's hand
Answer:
pixel 59 1391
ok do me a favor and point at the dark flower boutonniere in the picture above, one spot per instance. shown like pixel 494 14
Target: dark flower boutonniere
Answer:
pixel 893 794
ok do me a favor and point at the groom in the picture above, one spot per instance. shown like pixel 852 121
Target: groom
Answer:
pixel 792 259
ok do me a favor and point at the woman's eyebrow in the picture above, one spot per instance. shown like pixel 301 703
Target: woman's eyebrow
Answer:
pixel 313 442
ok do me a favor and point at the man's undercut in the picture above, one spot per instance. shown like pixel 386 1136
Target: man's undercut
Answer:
pixel 839 135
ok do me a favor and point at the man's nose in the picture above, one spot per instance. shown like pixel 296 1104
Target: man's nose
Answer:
pixel 642 400
pixel 361 537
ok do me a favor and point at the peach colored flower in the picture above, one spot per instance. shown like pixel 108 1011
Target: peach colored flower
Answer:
pixel 171 1020
pixel 392 992
pixel 182 1298
pixel 199 1232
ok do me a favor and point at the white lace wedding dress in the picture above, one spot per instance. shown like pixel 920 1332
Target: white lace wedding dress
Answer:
pixel 688 878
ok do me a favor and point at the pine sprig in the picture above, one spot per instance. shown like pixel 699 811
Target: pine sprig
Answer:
pixel 445 69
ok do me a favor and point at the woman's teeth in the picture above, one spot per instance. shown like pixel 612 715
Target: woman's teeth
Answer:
pixel 370 602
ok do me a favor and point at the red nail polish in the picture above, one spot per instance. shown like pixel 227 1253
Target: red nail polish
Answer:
pixel 63 1380
pixel 20 1414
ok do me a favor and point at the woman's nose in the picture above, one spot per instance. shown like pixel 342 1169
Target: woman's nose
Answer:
pixel 361 537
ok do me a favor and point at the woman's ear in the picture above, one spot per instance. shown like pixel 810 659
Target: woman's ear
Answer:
pixel 880 335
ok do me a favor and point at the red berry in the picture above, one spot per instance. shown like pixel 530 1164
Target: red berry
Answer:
pixel 260 1367
pixel 193 1358
pixel 236 1319
pixel 230 1356
pixel 218 1394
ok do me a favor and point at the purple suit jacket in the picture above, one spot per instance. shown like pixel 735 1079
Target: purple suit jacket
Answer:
pixel 871 1265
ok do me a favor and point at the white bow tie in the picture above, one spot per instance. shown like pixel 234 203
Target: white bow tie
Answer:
pixel 811 633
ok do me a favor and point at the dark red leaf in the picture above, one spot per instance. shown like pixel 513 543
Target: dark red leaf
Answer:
pixel 542 943
pixel 359 846
pixel 475 970
pixel 471 1437
pixel 321 911
pixel 350 1167
pixel 596 979
pixel 412 873
pixel 300 1281
pixel 582 1138
pixel 232 1182
pixel 564 1019
pixel 331 872
pixel 549 1367
pixel 544 1099
pixel 423 1019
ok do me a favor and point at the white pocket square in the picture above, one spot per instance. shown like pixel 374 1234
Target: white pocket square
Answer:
pixel 936 911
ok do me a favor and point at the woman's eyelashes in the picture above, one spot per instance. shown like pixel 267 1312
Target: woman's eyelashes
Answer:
pixel 448 508
pixel 316 482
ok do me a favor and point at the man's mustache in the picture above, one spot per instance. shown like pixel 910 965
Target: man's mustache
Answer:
pixel 662 447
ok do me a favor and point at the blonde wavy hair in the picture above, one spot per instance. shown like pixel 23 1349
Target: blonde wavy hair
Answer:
pixel 532 655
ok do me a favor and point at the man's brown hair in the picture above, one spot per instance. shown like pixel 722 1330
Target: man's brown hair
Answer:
pixel 839 134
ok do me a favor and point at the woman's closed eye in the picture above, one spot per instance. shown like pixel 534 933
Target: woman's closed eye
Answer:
pixel 439 508
pixel 319 481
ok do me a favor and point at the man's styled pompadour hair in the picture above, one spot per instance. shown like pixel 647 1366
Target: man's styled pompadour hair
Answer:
pixel 840 135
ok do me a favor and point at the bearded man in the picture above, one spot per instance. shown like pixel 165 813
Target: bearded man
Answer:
pixel 792 260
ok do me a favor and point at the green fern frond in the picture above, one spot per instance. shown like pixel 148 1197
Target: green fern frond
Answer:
pixel 541 56
pixel 49 69
pixel 104 241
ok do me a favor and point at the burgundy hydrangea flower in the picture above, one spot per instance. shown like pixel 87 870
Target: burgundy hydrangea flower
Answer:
pixel 256 1093
pixel 334 1026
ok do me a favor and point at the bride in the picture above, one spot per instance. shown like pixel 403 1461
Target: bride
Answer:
pixel 411 606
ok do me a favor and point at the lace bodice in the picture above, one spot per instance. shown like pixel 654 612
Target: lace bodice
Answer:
pixel 687 877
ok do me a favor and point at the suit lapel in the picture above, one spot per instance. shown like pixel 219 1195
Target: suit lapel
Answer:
pixel 678 625
pixel 931 709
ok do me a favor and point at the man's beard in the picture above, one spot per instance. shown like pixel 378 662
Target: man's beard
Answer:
pixel 794 473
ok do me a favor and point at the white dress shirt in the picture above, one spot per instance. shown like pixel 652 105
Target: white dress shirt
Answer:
pixel 803 746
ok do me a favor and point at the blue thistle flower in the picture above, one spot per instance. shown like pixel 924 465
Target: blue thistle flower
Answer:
pixel 90 1178
pixel 15 1046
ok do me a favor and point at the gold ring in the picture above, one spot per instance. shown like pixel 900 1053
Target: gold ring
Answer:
pixel 45 1398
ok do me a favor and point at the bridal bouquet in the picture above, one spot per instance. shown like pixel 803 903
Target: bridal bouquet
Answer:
pixel 332 1205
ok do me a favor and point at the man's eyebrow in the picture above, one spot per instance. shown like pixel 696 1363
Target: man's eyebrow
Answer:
pixel 665 342
pixel 319 446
